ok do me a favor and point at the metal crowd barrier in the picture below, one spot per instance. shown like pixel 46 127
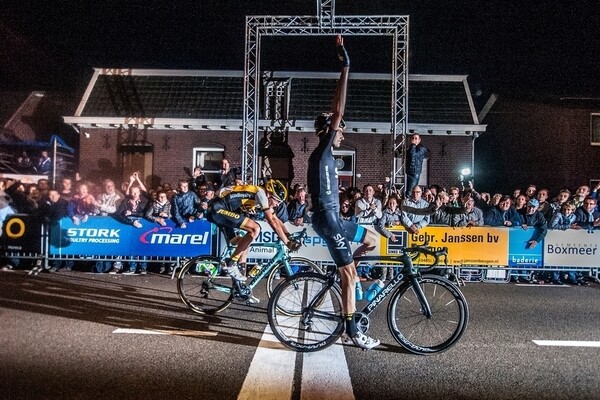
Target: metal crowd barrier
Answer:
pixel 483 254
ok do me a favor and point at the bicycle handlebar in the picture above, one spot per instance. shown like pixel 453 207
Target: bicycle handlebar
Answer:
pixel 424 249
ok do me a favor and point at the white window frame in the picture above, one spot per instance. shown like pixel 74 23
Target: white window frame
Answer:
pixel 198 160
pixel 595 129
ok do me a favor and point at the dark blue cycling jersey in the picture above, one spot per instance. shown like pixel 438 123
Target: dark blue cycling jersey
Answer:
pixel 322 179
pixel 322 183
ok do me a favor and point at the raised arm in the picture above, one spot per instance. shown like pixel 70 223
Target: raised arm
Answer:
pixel 339 101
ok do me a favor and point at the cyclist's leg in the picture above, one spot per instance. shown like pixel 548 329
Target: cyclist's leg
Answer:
pixel 330 228
pixel 359 234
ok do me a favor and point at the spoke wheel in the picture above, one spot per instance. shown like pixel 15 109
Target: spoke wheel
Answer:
pixel 416 332
pixel 200 287
pixel 297 264
pixel 305 313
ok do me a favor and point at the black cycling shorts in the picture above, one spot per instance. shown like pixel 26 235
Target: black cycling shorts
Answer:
pixel 228 221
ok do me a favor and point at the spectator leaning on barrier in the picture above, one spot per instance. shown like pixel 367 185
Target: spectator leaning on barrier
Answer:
pixel 109 200
pixel 82 205
pixel 133 208
pixel 502 214
pixel 563 220
pixel 159 210
pixel 473 216
pixel 391 217
pixel 586 215
pixel 184 204
pixel 414 222
pixel 532 218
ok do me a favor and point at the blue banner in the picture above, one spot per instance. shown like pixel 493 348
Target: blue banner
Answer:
pixel 103 236
pixel 519 255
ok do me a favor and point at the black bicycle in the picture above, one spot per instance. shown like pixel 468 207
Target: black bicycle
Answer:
pixel 426 314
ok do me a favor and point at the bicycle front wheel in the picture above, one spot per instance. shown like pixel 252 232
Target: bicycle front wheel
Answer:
pixel 418 333
pixel 201 289
pixel 297 265
pixel 305 312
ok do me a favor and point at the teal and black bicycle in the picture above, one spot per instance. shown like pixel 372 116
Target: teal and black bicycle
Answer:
pixel 202 288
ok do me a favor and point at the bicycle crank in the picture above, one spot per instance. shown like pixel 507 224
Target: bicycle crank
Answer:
pixel 363 323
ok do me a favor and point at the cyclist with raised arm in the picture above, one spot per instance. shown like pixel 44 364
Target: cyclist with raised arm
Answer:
pixel 235 208
pixel 323 188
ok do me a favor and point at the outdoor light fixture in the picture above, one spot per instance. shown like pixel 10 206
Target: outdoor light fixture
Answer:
pixel 465 175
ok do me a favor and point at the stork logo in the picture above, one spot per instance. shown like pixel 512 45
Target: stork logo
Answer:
pixel 164 235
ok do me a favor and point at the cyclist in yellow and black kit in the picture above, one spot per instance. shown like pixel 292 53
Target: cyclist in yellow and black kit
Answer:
pixel 237 207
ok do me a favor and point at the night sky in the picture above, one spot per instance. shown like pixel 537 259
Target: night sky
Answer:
pixel 529 46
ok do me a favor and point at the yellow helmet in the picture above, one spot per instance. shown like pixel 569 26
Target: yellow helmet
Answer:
pixel 277 189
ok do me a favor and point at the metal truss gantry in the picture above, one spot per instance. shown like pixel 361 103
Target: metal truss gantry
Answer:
pixel 324 24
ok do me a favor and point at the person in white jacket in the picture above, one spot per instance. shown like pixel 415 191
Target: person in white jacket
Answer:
pixel 368 209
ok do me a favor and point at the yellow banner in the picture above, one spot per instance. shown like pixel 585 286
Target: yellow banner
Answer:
pixel 466 246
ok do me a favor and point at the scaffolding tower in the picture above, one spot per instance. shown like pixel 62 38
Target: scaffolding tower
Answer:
pixel 323 24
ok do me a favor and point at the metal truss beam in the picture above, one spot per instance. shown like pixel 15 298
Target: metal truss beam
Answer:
pixel 326 24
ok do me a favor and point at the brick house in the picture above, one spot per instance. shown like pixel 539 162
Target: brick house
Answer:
pixel 164 122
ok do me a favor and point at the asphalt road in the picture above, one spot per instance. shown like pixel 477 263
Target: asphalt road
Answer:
pixel 90 336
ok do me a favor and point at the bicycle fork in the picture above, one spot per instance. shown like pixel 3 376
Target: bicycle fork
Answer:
pixel 425 308
pixel 414 283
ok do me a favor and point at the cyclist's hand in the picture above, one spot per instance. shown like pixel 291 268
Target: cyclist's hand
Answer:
pixel 293 245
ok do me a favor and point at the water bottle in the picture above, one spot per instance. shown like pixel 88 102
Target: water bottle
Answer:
pixel 359 291
pixel 208 269
pixel 373 290
pixel 255 270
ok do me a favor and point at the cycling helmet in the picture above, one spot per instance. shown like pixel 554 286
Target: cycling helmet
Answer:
pixel 323 121
pixel 277 189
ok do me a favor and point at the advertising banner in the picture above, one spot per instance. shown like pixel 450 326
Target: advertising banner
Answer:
pixel 572 248
pixel 314 247
pixel 519 254
pixel 100 236
pixel 466 246
pixel 21 234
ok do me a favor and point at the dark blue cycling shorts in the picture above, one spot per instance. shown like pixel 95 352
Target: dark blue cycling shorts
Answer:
pixel 338 234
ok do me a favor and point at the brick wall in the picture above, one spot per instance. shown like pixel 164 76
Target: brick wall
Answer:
pixel 99 156
pixel 544 143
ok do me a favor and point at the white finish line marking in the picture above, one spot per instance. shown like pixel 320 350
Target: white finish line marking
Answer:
pixel 567 343
pixel 165 332
pixel 325 373
pixel 271 373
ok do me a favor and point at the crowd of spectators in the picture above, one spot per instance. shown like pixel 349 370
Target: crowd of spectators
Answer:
pixel 377 205
pixel 465 207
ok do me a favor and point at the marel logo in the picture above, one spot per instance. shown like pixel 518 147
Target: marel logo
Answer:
pixel 164 236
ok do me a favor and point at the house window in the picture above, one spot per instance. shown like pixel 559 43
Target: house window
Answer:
pixel 595 128
pixel 209 159
pixel 345 164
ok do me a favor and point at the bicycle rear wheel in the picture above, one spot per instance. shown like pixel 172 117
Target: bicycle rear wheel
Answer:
pixel 201 289
pixel 297 264
pixel 416 332
pixel 305 312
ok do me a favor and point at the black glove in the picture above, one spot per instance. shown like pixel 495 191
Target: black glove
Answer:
pixel 343 56
pixel 293 245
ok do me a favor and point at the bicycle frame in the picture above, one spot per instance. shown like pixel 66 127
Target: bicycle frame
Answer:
pixel 408 274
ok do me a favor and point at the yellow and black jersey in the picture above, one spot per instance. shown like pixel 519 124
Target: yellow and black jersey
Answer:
pixel 245 198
